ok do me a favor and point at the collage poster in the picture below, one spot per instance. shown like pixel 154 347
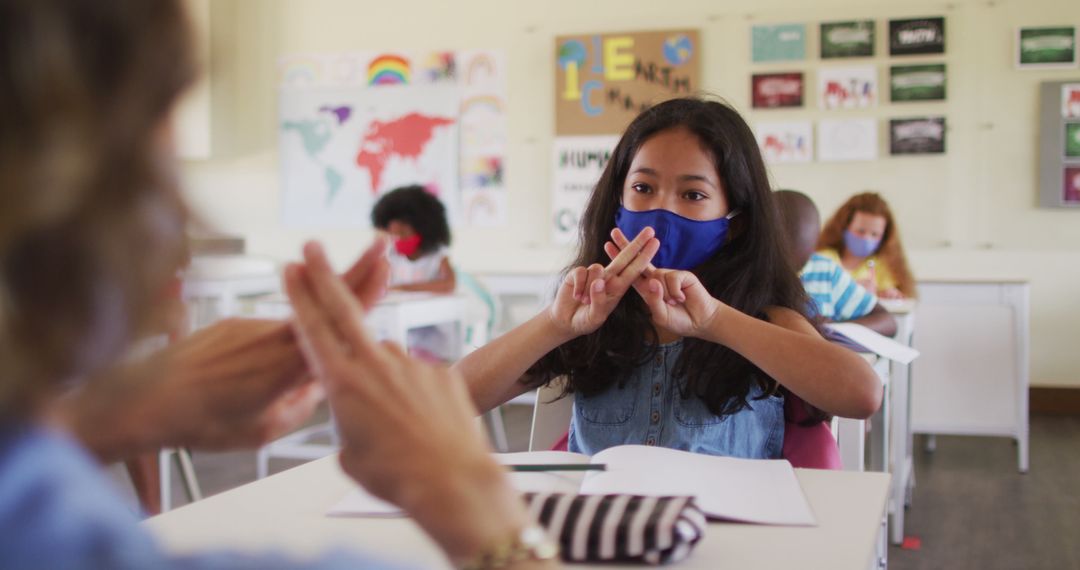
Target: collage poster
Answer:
pixel 847 39
pixel 919 36
pixel 784 42
pixel 354 125
pixel 847 139
pixel 917 82
pixel 774 90
pixel 917 136
pixel 785 142
pixel 847 87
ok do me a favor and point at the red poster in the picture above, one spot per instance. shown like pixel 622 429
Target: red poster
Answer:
pixel 773 90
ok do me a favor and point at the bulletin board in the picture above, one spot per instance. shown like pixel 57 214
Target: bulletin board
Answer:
pixel 603 81
pixel 1059 144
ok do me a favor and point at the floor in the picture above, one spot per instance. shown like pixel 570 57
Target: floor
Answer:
pixel 971 508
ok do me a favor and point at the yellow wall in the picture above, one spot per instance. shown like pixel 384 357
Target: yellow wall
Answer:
pixel 968 213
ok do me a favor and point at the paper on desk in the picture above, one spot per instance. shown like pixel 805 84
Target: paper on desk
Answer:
pixel 360 503
pixel 745 490
pixel 879 344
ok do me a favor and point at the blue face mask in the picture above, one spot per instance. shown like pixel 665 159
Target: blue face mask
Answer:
pixel 860 247
pixel 684 243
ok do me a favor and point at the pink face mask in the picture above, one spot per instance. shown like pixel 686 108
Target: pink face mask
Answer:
pixel 407 246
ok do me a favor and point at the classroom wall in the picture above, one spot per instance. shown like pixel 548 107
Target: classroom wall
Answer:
pixel 969 213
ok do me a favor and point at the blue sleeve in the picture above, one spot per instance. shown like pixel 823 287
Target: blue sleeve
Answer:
pixel 852 300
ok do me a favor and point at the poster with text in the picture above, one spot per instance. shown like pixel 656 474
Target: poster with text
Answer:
pixel 782 142
pixel 578 164
pixel 847 87
pixel 603 81
pixel 775 90
pixel 847 139
pixel 847 39
pixel 1072 140
pixel 1046 47
pixel 783 42
pixel 924 135
pixel 1070 101
pixel 918 36
pixel 917 82
pixel 1071 188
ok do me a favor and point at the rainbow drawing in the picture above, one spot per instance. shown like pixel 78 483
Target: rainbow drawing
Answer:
pixel 388 69
pixel 489 102
pixel 299 71
pixel 482 63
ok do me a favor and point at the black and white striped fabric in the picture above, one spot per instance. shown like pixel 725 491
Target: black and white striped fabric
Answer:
pixel 619 528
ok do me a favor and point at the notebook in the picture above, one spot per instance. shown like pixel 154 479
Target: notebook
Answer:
pixel 725 488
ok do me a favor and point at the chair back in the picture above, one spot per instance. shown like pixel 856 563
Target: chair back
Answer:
pixel 551 416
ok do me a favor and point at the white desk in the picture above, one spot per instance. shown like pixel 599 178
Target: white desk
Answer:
pixel 973 375
pixel 394 315
pixel 285 512
pixel 391 319
pixel 901 463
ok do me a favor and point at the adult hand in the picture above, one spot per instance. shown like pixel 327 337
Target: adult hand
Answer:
pixel 407 428
pixel 588 295
pixel 237 383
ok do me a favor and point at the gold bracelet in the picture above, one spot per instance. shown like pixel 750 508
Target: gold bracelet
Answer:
pixel 530 545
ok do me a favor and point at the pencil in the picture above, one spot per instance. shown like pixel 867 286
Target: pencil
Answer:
pixel 560 467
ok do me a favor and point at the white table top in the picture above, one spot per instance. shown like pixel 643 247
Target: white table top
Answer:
pixel 286 512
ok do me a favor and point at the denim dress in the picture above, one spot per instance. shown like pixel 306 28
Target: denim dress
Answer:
pixel 649 410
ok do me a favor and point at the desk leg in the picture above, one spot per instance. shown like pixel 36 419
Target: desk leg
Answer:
pixel 900 450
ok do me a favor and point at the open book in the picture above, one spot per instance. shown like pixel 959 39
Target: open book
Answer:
pixel 743 490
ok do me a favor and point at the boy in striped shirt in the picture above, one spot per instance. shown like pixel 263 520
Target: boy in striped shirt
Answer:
pixel 834 293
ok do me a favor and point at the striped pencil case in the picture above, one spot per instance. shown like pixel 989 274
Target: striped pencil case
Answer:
pixel 619 528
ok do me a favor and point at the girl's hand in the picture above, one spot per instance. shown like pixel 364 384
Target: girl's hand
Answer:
pixel 689 310
pixel 893 293
pixel 588 295
pixel 677 299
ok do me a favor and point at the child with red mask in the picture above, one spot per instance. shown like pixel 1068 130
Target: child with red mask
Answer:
pixel 415 221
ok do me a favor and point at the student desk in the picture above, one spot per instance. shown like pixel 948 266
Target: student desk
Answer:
pixel 390 319
pixel 286 512
pixel 900 435
pixel 973 375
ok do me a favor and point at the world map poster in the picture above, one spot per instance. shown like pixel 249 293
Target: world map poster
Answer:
pixel 354 125
pixel 342 148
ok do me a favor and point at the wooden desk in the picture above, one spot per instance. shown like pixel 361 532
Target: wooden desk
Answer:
pixel 286 512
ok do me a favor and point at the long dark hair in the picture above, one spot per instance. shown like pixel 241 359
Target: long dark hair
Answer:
pixel 91 220
pixel 751 272
pixel 420 209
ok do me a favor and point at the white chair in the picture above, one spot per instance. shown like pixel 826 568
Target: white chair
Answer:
pixel 551 416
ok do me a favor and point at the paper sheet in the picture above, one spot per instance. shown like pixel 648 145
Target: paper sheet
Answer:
pixel 879 344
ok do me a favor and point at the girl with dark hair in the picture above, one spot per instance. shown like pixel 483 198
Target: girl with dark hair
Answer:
pixel 863 237
pixel 700 356
pixel 416 221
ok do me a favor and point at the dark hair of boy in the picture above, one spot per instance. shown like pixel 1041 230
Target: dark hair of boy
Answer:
pixel 751 272
pixel 420 209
